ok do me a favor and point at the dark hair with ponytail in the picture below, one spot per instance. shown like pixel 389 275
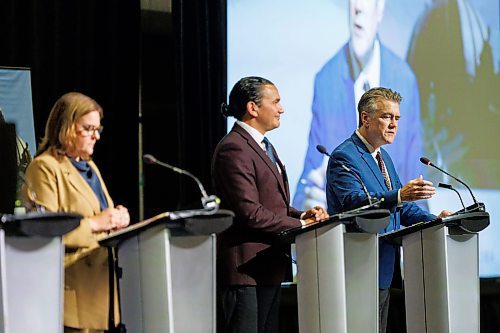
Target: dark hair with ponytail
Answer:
pixel 247 89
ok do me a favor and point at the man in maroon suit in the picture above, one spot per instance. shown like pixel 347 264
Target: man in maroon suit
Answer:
pixel 251 181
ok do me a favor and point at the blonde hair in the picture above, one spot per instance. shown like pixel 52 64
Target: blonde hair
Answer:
pixel 60 130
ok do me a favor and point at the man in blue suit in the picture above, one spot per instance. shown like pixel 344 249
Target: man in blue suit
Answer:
pixel 361 63
pixel 379 116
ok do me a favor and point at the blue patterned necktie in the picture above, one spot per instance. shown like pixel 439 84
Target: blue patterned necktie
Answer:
pixel 269 150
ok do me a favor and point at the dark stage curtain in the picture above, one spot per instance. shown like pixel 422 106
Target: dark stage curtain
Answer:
pixel 90 46
pixel 181 99
pixel 200 44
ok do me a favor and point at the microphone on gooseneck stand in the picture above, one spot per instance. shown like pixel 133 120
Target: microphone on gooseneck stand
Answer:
pixel 323 150
pixel 476 206
pixel 449 187
pixel 209 201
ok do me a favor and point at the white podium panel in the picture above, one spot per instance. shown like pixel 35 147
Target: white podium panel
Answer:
pixel 168 282
pixel 441 281
pixel 337 280
pixel 32 282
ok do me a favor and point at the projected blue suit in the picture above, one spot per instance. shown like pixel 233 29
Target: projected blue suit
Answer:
pixel 334 114
pixel 344 191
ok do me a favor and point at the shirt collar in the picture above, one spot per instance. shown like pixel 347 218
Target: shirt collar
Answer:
pixel 81 165
pixel 370 72
pixel 256 135
pixel 370 148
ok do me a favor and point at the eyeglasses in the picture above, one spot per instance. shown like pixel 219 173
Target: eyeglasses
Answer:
pixel 89 130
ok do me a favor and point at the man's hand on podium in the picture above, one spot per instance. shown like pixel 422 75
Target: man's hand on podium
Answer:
pixel 444 213
pixel 314 214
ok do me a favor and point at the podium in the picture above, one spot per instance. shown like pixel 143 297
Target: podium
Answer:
pixel 337 272
pixel 32 271
pixel 167 266
pixel 441 273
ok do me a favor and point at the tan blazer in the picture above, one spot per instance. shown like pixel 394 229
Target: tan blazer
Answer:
pixel 59 187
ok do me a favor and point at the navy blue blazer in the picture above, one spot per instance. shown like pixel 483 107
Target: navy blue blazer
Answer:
pixel 344 191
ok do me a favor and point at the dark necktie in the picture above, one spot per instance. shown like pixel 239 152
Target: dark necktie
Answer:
pixel 269 150
pixel 381 165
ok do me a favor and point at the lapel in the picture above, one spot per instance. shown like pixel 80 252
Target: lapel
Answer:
pixel 368 159
pixel 79 184
pixel 284 176
pixel 263 156
pixel 347 73
pixel 386 69
pixel 345 101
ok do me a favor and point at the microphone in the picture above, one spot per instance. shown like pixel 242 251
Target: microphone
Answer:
pixel 209 202
pixel 323 150
pixel 449 187
pixel 427 161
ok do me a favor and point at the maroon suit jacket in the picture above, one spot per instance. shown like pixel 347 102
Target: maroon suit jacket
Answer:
pixel 251 186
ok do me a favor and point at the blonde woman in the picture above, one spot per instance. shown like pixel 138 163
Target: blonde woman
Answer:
pixel 63 178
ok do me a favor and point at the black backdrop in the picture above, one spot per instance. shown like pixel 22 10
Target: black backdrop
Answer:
pixel 183 70
pixel 89 46
pixel 171 65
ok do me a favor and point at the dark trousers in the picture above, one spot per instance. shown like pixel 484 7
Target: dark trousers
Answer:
pixel 250 309
pixel 383 309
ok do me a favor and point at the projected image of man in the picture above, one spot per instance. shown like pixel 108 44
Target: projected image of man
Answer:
pixel 363 62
